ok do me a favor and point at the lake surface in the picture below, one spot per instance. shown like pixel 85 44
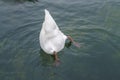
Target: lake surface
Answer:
pixel 95 24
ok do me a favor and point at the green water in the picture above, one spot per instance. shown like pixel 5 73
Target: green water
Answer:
pixel 95 24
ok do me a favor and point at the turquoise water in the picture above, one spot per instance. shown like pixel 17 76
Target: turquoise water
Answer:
pixel 95 24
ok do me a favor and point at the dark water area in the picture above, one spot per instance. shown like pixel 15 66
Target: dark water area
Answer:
pixel 18 1
pixel 95 24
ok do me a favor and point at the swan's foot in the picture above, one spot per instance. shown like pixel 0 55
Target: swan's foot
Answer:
pixel 57 60
pixel 74 43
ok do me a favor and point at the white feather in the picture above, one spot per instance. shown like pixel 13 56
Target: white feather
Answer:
pixel 51 38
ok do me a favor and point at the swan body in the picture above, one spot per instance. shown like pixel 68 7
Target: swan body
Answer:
pixel 51 38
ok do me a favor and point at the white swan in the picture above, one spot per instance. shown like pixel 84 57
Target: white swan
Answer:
pixel 52 40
